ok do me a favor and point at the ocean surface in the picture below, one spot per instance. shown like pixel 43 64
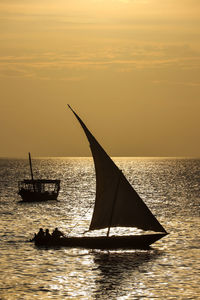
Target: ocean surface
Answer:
pixel 170 270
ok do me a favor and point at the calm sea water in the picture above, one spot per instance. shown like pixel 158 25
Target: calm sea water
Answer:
pixel 170 187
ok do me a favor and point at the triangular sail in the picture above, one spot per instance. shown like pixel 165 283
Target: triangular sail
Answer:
pixel 117 204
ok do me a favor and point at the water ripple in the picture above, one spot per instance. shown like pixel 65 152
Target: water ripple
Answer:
pixel 170 187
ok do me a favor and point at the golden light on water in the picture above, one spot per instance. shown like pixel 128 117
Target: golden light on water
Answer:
pixel 170 269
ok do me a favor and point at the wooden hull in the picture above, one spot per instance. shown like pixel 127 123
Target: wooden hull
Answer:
pixel 113 242
pixel 31 196
pixel 38 189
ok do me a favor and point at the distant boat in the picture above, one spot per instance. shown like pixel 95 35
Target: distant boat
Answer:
pixel 117 205
pixel 32 190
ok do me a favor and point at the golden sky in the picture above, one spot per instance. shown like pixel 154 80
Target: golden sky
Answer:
pixel 129 68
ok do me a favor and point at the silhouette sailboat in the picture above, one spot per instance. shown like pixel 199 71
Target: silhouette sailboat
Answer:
pixel 117 204
pixel 32 190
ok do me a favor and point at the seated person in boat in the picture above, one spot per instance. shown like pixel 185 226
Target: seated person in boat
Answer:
pixel 47 234
pixel 39 235
pixel 57 233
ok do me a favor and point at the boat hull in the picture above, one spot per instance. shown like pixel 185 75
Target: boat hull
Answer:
pixel 38 189
pixel 28 196
pixel 113 242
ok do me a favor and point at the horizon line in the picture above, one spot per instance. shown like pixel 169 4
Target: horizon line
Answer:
pixel 72 157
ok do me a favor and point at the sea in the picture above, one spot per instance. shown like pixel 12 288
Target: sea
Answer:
pixel 169 270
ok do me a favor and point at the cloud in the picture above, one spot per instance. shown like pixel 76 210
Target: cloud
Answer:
pixel 178 83
pixel 75 64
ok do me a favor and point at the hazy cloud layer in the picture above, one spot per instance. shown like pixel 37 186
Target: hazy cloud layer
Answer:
pixel 68 65
pixel 140 58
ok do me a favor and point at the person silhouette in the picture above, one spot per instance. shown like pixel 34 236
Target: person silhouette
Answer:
pixel 57 233
pixel 40 233
pixel 47 234
pixel 39 236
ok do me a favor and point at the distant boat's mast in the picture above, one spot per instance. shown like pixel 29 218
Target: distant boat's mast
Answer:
pixel 30 165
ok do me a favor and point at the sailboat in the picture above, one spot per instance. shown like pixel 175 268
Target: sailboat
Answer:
pixel 117 204
pixel 32 190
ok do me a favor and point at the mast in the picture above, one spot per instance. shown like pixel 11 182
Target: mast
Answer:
pixel 113 206
pixel 30 163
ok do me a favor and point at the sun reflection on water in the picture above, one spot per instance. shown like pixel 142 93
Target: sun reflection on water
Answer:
pixel 169 271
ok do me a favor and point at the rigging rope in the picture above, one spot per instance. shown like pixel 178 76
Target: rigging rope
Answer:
pixel 71 229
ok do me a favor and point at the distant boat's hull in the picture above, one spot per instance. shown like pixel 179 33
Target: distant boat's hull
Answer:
pixel 113 242
pixel 38 189
pixel 28 196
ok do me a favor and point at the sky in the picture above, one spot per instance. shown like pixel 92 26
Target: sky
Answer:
pixel 129 68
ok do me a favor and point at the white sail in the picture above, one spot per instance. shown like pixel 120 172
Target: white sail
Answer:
pixel 117 204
